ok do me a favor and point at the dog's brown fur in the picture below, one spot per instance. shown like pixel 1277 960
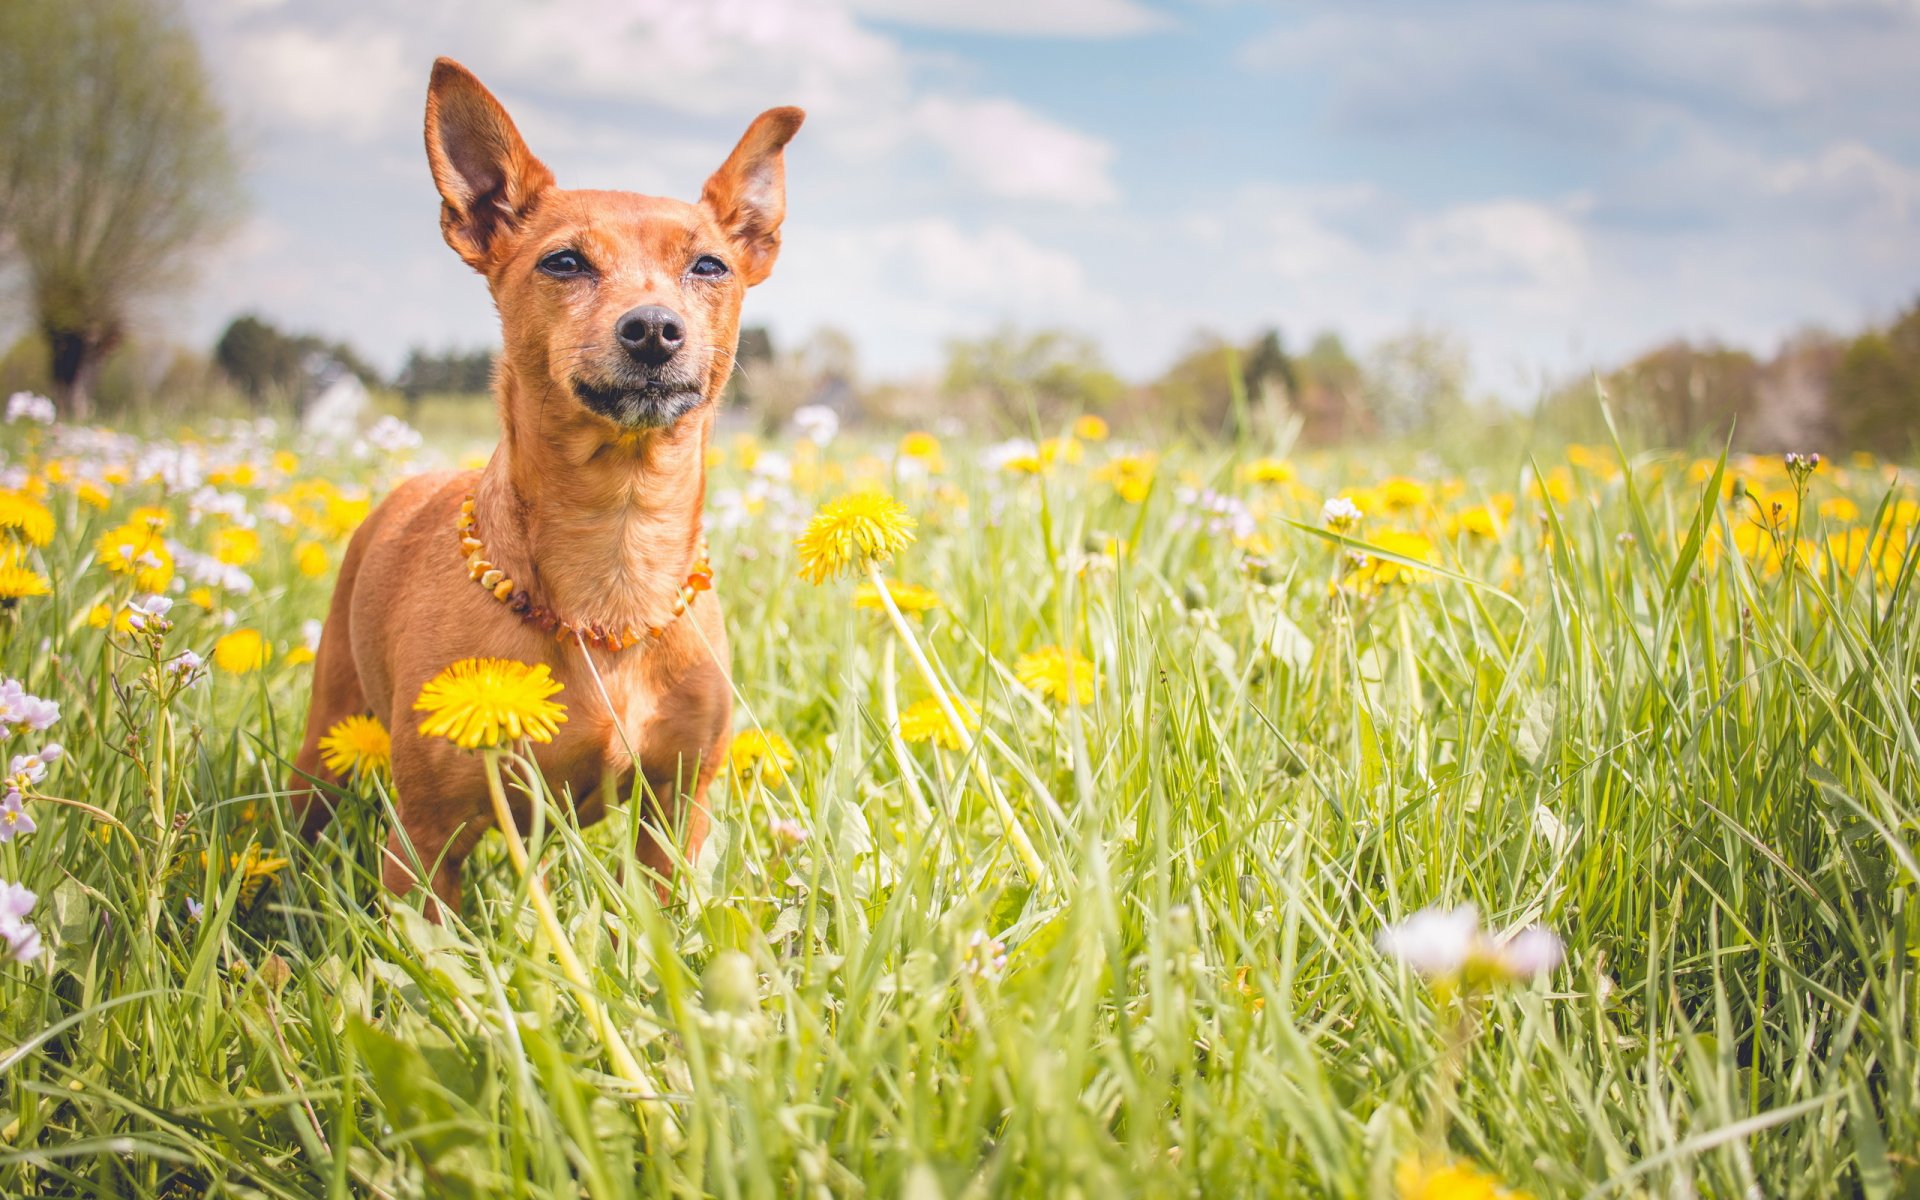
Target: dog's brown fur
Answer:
pixel 597 518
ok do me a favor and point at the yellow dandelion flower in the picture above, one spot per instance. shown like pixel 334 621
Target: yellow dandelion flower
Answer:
pixel 236 546
pixel 285 462
pixel 1060 675
pixel 137 549
pixel 202 597
pixel 1130 474
pixel 1368 500
pixel 1402 494
pixel 923 446
pixel 909 598
pixel 1440 1179
pixel 1061 449
pixel 482 702
pixel 1379 572
pixel 1090 428
pixel 1557 485
pixel 851 531
pixel 359 745
pixel 26 516
pixel 17 583
pixel 1841 509
pixel 341 515
pixel 151 516
pixel 924 721
pixel 92 494
pixel 1269 470
pixel 257 870
pixel 100 616
pixel 241 651
pixel 299 656
pixel 756 754
pixel 1479 521
pixel 312 559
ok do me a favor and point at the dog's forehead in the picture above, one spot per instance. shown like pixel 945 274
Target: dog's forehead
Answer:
pixel 625 223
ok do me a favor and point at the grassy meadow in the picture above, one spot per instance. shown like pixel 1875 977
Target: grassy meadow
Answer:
pixel 1121 939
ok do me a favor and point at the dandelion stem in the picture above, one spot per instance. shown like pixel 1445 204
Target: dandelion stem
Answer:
pixel 625 1065
pixel 1009 820
pixel 890 709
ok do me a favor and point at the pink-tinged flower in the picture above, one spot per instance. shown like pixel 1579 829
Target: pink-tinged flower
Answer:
pixel 14 819
pixel 1532 951
pixel 983 956
pixel 25 769
pixel 788 833
pixel 1433 941
pixel 1340 514
pixel 188 666
pixel 31 407
pixel 22 713
pixel 21 939
pixel 1449 945
pixel 143 611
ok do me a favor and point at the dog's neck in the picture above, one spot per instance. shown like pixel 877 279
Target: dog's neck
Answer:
pixel 603 533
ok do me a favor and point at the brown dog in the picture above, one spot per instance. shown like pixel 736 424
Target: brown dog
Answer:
pixel 619 315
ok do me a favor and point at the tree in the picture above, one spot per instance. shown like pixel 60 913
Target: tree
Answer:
pixel 1196 390
pixel 1876 390
pixel 451 372
pixel 1048 374
pixel 115 167
pixel 1216 388
pixel 1416 383
pixel 772 385
pixel 262 360
pixel 1682 393
pixel 1329 395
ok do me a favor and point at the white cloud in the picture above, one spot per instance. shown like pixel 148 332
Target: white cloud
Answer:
pixel 1057 18
pixel 1009 150
pixel 710 59
pixel 1851 178
pixel 652 72
pixel 1509 245
pixel 903 288
pixel 355 82
pixel 1513 275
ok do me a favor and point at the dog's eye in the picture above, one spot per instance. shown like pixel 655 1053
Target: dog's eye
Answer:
pixel 708 267
pixel 564 264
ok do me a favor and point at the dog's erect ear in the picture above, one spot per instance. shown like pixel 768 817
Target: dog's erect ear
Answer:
pixel 748 194
pixel 488 179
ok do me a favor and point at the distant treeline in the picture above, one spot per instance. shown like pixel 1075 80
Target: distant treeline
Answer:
pixel 1819 391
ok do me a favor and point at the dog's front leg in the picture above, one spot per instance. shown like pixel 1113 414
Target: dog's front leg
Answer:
pixel 440 801
pixel 681 749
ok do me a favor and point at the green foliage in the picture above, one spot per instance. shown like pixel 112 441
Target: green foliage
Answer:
pixel 1018 376
pixel 115 167
pixel 265 363
pixel 450 372
pixel 1217 389
pixel 1416 383
pixel 1876 391
pixel 1615 714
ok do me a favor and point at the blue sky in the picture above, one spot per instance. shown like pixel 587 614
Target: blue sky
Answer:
pixel 1560 184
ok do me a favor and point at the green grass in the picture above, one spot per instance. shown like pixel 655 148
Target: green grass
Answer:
pixel 1699 770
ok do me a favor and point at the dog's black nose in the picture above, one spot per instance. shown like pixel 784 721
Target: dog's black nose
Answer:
pixel 651 333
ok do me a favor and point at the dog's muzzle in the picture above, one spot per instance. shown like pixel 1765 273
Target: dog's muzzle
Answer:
pixel 655 404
